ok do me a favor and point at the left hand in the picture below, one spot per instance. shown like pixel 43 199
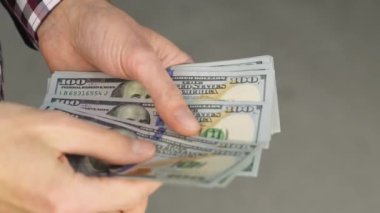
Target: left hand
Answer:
pixel 141 208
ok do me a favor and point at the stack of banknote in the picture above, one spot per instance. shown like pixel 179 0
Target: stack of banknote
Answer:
pixel 235 101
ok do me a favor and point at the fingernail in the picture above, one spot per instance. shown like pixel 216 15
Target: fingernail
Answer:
pixel 187 119
pixel 143 148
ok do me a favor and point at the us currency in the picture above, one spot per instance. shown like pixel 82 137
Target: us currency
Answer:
pixel 155 132
pixel 238 84
pixel 227 121
pixel 230 65
pixel 242 84
pixel 239 92
pixel 251 170
pixel 232 83
pixel 214 84
pixel 266 63
pixel 207 87
pixel 175 161
pixel 160 131
pixel 259 60
pixel 147 132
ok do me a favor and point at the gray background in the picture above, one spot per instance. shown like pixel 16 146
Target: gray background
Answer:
pixel 327 65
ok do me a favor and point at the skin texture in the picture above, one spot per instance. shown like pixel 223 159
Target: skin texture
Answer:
pixel 95 35
pixel 39 178
pixel 87 35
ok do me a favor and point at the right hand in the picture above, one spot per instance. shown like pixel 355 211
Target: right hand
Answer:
pixel 35 175
pixel 95 35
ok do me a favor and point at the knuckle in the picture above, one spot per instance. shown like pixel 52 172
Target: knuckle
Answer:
pixel 137 61
pixel 57 116
pixel 47 123
pixel 183 57
pixel 59 202
pixel 56 205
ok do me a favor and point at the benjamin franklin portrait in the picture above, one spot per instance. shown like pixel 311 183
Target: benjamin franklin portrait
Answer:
pixel 130 89
pixel 132 112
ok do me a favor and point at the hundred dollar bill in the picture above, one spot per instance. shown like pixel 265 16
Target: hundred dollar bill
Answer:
pixel 259 60
pixel 245 90
pixel 251 170
pixel 156 132
pixel 212 84
pixel 242 84
pixel 207 83
pixel 253 167
pixel 197 165
pixel 215 89
pixel 146 131
pixel 243 122
pixel 230 65
pixel 175 162
pixel 231 83
pixel 233 65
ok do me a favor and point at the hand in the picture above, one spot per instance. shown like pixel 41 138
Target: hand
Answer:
pixel 95 35
pixel 141 208
pixel 35 175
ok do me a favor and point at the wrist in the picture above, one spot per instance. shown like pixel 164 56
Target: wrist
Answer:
pixel 56 17
pixel 65 18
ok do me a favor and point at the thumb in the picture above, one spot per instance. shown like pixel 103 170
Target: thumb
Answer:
pixel 144 66
pixel 72 136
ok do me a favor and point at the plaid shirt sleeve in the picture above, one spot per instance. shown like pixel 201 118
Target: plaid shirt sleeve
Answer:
pixel 28 15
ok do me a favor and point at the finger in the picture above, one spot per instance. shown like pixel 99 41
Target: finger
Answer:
pixel 144 66
pixel 7 207
pixel 168 53
pixel 118 211
pixel 108 194
pixel 70 135
pixel 141 208
pixel 16 109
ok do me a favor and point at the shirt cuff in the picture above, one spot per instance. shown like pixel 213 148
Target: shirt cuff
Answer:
pixel 30 15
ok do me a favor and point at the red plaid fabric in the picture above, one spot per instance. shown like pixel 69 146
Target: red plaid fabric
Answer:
pixel 27 15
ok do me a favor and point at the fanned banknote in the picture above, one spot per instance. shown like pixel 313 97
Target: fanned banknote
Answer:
pixel 233 84
pixel 175 161
pixel 218 119
pixel 264 62
pixel 235 102
pixel 259 60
